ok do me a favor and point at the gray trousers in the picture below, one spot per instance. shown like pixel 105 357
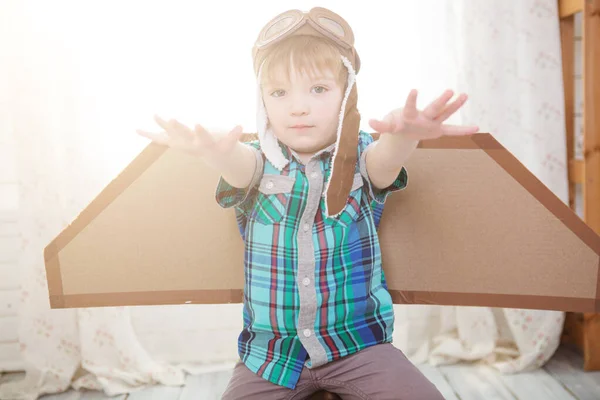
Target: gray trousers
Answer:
pixel 379 372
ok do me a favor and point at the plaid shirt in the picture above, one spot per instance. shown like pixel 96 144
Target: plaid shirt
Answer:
pixel 314 286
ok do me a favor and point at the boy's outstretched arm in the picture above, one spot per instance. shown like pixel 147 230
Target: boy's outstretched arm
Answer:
pixel 238 167
pixel 387 157
pixel 403 128
pixel 235 161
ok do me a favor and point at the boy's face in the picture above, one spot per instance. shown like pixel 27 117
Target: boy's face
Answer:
pixel 304 112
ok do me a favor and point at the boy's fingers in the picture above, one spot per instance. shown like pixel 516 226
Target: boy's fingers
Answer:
pixel 373 123
pixel 379 126
pixel 456 130
pixel 236 132
pixel 162 123
pixel 173 128
pixel 181 128
pixel 410 108
pixel 178 130
pixel 433 109
pixel 203 136
pixel 386 126
pixel 201 132
pixel 451 108
pixel 199 129
pixel 234 135
pixel 167 126
pixel 390 121
pixel 155 137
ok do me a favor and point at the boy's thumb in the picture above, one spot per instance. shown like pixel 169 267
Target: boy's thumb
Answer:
pixel 238 130
pixel 376 124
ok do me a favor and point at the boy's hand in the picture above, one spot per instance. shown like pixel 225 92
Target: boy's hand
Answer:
pixel 197 142
pixel 426 124
pixel 235 161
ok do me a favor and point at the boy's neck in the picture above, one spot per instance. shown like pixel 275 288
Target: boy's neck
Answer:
pixel 305 157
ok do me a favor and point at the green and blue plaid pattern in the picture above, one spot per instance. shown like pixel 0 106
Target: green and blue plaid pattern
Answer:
pixel 353 307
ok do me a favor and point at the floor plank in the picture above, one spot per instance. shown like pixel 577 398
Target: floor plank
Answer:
pixel 16 376
pixel 437 378
pixel 157 393
pixel 566 366
pixel 209 386
pixel 537 384
pixel 98 395
pixel 562 378
pixel 69 395
pixel 471 383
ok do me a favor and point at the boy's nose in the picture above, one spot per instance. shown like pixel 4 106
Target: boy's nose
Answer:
pixel 299 107
pixel 297 112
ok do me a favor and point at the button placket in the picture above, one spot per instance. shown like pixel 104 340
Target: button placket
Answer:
pixel 306 268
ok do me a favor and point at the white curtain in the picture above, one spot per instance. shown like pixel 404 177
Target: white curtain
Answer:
pixel 83 76
pixel 506 56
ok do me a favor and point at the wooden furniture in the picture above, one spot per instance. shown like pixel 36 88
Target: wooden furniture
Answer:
pixel 583 330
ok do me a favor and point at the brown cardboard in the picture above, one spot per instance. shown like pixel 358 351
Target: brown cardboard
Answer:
pixel 474 227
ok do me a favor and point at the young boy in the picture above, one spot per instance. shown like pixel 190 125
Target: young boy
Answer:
pixel 308 195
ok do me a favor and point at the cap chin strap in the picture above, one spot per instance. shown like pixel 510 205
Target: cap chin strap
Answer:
pixel 349 85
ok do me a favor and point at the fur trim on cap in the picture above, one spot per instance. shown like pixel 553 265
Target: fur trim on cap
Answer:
pixel 268 141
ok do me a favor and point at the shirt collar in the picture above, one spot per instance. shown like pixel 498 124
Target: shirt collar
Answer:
pixel 288 151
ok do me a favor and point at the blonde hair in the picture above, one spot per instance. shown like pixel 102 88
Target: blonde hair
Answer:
pixel 307 54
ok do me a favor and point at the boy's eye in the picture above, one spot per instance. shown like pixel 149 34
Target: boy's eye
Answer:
pixel 278 93
pixel 320 89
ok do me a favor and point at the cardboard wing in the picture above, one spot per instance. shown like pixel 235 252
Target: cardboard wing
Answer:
pixel 474 227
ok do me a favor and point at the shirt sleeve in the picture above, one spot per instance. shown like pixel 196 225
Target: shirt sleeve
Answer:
pixel 229 196
pixel 365 143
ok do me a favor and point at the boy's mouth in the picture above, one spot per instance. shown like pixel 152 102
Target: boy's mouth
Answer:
pixel 301 126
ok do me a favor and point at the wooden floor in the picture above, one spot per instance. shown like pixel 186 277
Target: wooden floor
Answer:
pixel 561 379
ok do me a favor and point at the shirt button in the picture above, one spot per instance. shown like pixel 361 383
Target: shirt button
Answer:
pixel 305 281
pixel 307 332
pixel 306 227
pixel 270 185
pixel 314 174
